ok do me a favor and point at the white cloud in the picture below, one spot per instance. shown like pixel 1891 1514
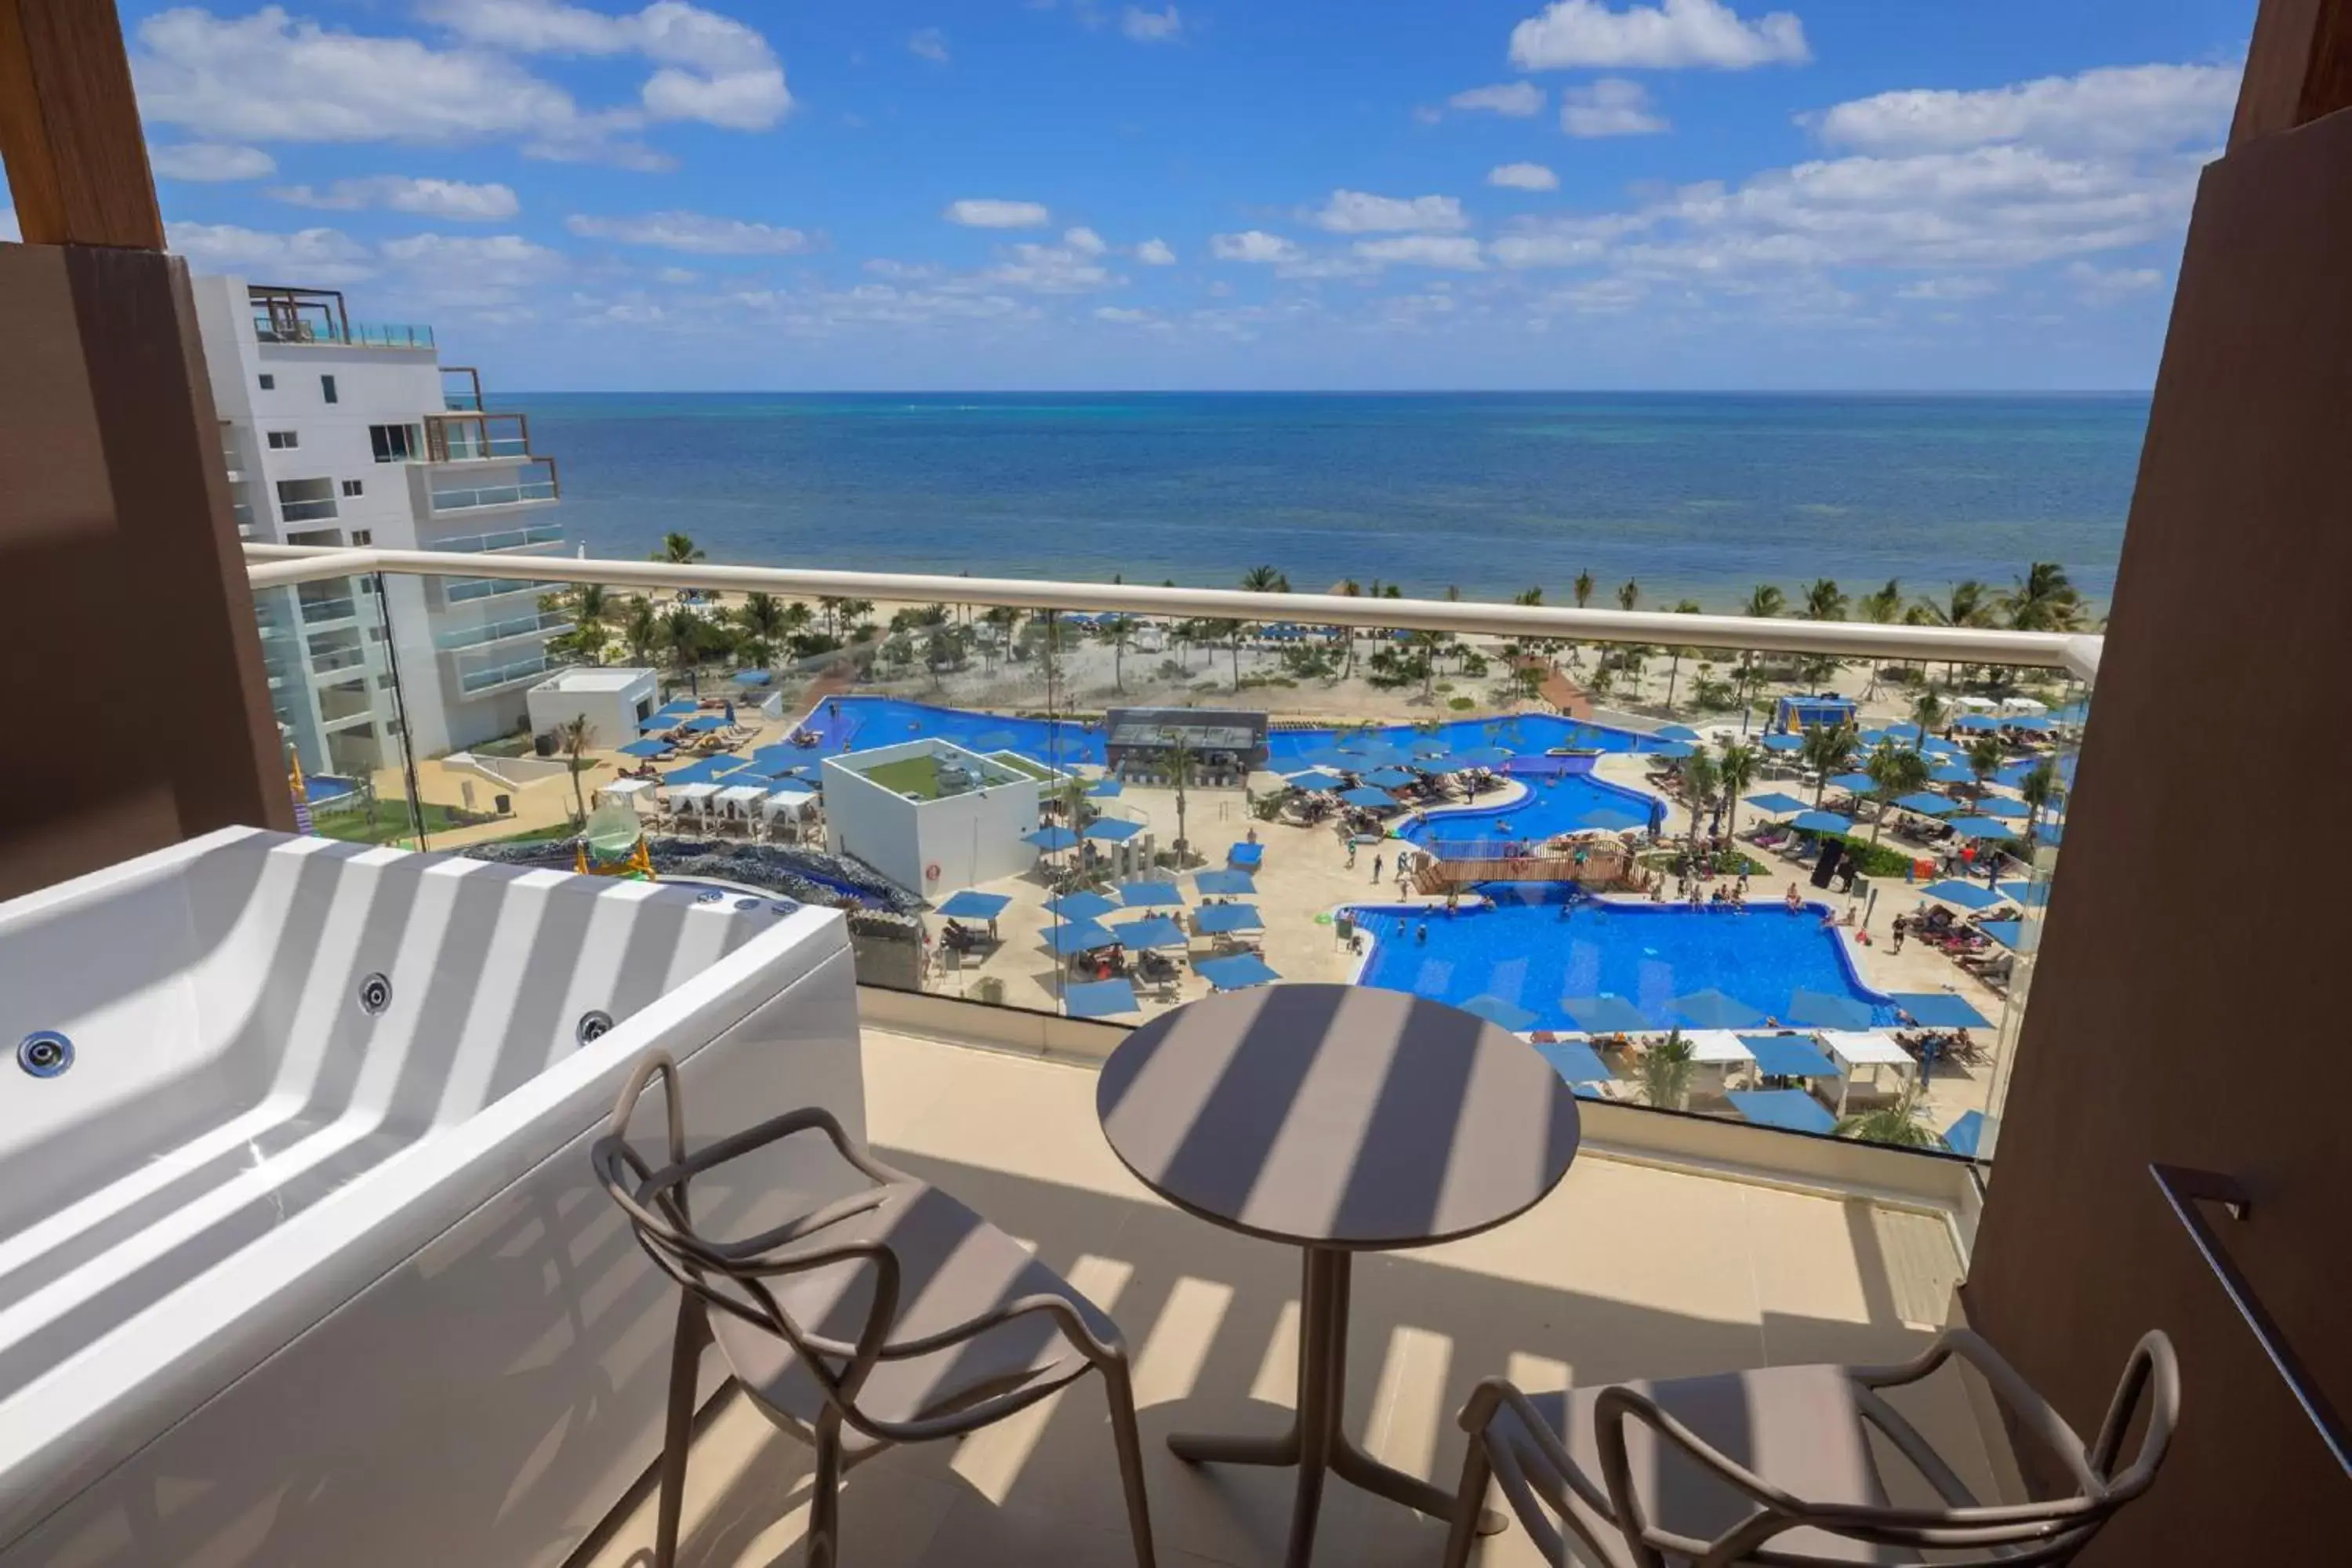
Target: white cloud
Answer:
pixel 1045 270
pixel 988 213
pixel 1458 252
pixel 1254 245
pixel 1523 177
pixel 678 275
pixel 1155 253
pixel 2097 286
pixel 929 44
pixel 710 67
pixel 1127 316
pixel 1085 241
pixel 2115 109
pixel 1962 286
pixel 1517 99
pixel 1354 212
pixel 211 161
pixel 1612 106
pixel 693 233
pixel 1665 37
pixel 312 254
pixel 1151 26
pixel 400 192
pixel 471 272
pixel 1548 248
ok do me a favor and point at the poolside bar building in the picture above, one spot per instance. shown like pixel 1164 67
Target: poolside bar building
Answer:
pixel 1225 745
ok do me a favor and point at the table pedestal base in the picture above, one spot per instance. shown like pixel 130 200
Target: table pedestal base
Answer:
pixel 1315 1443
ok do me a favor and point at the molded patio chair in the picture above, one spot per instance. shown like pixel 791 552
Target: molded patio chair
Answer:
pixel 892 1315
pixel 1774 1467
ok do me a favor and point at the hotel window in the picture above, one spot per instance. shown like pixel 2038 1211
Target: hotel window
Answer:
pixel 284 440
pixel 269 382
pixel 363 535
pixel 351 486
pixel 393 443
pixel 326 385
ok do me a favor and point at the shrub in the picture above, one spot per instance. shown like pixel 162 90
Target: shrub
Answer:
pixel 988 988
pixel 1461 704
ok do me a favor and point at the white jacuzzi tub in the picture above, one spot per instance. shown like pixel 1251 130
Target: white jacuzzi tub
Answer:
pixel 297 1268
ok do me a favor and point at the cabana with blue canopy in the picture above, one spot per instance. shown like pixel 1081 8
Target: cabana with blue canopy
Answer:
pixel 1821 822
pixel 1791 1109
pixel 1968 895
pixel 1605 1014
pixel 704 724
pixel 1112 830
pixel 974 905
pixel 1078 906
pixel 1575 1061
pixel 1316 779
pixel 1101 998
pixel 1152 930
pixel 1940 1010
pixel 1927 803
pixel 1068 938
pixel 1821 1010
pixel 1712 1009
pixel 1368 798
pixel 646 748
pixel 1106 789
pixel 1236 973
pixel 1965 1135
pixel 1226 883
pixel 1981 828
pixel 1052 838
pixel 1790 1056
pixel 1795 713
pixel 1853 783
pixel 1675 732
pixel 1390 778
pixel 1775 803
pixel 1496 1010
pixel 1150 895
pixel 791 787
pixel 1224 920
pixel 2011 934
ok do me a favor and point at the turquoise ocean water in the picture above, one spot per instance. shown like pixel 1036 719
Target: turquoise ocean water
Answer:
pixel 1697 495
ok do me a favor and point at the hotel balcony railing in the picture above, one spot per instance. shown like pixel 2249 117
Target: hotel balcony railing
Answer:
pixel 527 489
pixel 466 590
pixel 340 658
pixel 545 623
pixel 478 437
pixel 317 610
pixel 1536 767
pixel 510 538
pixel 307 510
pixel 356 334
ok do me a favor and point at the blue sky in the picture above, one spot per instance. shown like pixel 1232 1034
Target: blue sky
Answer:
pixel 1006 194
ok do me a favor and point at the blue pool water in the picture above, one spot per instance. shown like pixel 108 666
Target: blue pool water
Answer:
pixel 1521 950
pixel 861 723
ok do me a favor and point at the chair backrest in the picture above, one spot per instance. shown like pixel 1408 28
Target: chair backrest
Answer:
pixel 2047 1530
pixel 732 1276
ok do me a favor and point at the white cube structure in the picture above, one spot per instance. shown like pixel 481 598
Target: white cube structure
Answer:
pixel 931 816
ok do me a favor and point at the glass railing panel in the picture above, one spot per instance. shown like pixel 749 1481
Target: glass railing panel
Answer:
pixel 317 610
pixel 306 510
pixel 493 495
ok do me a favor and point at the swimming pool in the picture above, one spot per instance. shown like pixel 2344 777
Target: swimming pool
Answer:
pixel 861 723
pixel 1556 801
pixel 1523 951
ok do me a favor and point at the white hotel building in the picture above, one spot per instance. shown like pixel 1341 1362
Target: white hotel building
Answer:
pixel 337 432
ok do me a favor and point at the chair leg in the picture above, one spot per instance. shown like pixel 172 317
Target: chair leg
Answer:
pixel 685 1368
pixel 824 1498
pixel 1121 1392
pixel 1469 1501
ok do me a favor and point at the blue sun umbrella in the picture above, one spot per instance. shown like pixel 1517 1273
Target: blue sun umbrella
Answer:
pixel 704 725
pixel 1820 1010
pixel 1789 1056
pixel 1226 883
pixel 1224 920
pixel 1575 1061
pixel 1941 1010
pixel 1068 936
pixel 1981 828
pixel 1150 895
pixel 1784 743
pixel 1712 1009
pixel 1791 1109
pixel 644 748
pixel 1968 895
pixel 1331 757
pixel 2011 934
pixel 1673 750
pixel 1112 830
pixel 1927 803
pixel 2002 807
pixel 1605 1014
pixel 1106 789
pixel 1675 732
pixel 1488 756
pixel 1821 822
pixel 1390 778
pixel 1496 1011
pixel 705 771
pixel 1424 750
pixel 1775 803
pixel 1101 998
pixel 1902 731
pixel 1246 857
pixel 1234 973
pixel 1370 799
pixel 1316 779
pixel 1951 773
pixel 970 905
pixel 1052 838
pixel 1965 1135
pixel 1152 930
pixel 1934 747
pixel 1078 906
pixel 2032 895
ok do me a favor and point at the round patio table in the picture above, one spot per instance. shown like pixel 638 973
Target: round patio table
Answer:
pixel 1337 1119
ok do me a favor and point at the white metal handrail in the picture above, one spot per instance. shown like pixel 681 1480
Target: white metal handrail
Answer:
pixel 274 565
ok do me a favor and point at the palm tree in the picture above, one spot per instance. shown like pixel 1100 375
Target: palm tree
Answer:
pixel 1630 594
pixel 1527 596
pixel 1895 772
pixel 1897 1123
pixel 1737 770
pixel 641 629
pixel 1665 1072
pixel 1583 588
pixel 2038 790
pixel 1764 603
pixel 1880 607
pixel 682 634
pixel 1118 629
pixel 1823 602
pixel 1984 759
pixel 1426 644
pixel 1927 712
pixel 590 603
pixel 1264 580
pixel 1701 779
pixel 1968 602
pixel 677 550
pixel 1682 607
pixel 762 618
pixel 577 735
pixel 1003 618
pixel 1828 749
pixel 2044 601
